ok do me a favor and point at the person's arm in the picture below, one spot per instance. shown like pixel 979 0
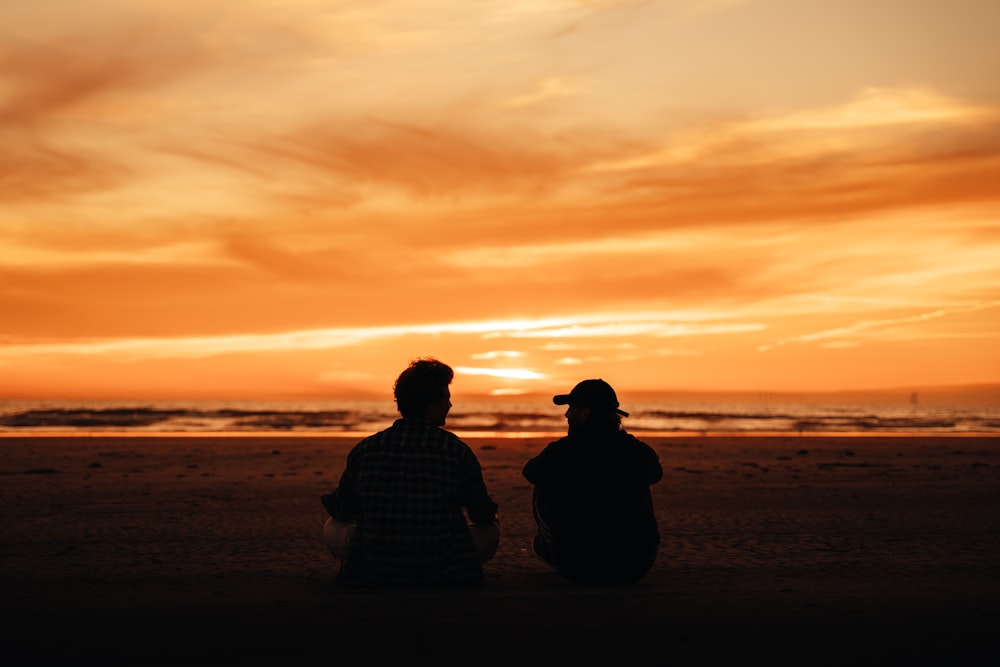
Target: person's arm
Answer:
pixel 478 503
pixel 339 502
pixel 654 469
pixel 531 470
pixel 481 508
pixel 537 470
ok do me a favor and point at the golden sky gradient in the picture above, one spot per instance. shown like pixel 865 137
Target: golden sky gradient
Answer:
pixel 293 198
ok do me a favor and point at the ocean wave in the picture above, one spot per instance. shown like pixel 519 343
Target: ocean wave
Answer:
pixel 180 419
pixel 496 418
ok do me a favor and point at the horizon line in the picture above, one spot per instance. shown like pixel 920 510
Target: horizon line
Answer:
pixel 973 388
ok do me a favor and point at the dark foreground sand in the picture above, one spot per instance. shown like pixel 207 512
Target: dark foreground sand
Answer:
pixel 799 550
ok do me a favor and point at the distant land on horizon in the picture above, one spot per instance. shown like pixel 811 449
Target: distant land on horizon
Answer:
pixel 929 395
pixel 979 394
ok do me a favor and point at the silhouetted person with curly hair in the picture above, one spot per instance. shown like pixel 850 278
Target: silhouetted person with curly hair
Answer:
pixel 411 507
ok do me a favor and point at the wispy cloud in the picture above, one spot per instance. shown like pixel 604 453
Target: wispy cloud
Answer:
pixel 848 335
pixel 546 90
pixel 630 329
pixel 582 326
pixel 510 373
pixel 498 354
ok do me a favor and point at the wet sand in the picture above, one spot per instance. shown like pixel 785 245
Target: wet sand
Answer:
pixel 797 549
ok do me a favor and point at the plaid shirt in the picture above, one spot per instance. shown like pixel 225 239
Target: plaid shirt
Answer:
pixel 406 487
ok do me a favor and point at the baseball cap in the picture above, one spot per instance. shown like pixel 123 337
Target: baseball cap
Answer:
pixel 592 394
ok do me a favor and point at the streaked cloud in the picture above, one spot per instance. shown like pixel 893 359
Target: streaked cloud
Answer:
pixel 498 354
pixel 586 326
pixel 544 90
pixel 630 330
pixel 509 373
pixel 860 329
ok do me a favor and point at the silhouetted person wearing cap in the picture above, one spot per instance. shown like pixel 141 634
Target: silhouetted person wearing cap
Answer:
pixel 411 507
pixel 592 502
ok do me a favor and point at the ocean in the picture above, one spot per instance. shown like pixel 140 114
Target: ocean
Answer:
pixel 497 418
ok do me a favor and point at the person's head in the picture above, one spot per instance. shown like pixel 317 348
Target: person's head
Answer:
pixel 592 407
pixel 421 391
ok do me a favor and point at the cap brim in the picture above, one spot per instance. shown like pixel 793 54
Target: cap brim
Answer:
pixel 564 399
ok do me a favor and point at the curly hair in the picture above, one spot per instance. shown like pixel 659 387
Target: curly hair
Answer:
pixel 423 382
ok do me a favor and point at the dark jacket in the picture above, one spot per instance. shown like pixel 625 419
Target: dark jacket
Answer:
pixel 594 506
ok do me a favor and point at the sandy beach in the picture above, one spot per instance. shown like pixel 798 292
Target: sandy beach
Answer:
pixel 804 549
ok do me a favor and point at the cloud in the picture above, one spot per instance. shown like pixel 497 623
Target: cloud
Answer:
pixel 876 107
pixel 434 160
pixel 840 336
pixel 544 90
pixel 870 156
pixel 76 96
pixel 498 354
pixel 508 373
pixel 626 329
pixel 608 326
pixel 887 150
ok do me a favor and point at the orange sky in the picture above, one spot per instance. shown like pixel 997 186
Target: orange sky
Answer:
pixel 293 198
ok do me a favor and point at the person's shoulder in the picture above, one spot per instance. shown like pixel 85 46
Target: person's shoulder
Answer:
pixel 643 454
pixel 380 435
pixel 364 445
pixel 559 444
pixel 629 440
pixel 560 448
pixel 452 441
pixel 374 439
pixel 451 438
pixel 553 448
pixel 401 429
